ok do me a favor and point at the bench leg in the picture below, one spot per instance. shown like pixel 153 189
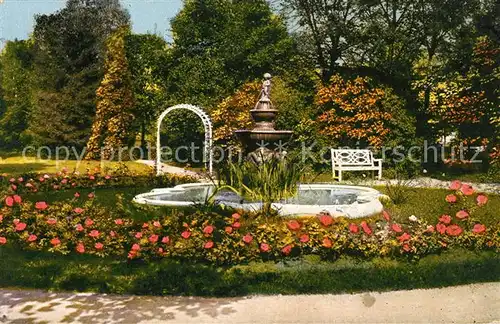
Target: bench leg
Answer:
pixel 340 175
pixel 380 173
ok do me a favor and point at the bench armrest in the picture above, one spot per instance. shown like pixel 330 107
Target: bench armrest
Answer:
pixel 379 161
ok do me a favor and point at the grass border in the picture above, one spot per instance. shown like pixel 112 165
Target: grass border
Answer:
pixel 305 276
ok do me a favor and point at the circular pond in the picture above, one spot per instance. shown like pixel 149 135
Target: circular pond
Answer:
pixel 311 199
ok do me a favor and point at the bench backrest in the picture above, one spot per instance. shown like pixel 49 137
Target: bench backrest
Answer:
pixel 352 157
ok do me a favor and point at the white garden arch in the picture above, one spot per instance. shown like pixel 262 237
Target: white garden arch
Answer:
pixel 207 146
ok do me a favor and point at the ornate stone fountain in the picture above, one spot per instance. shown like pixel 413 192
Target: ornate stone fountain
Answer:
pixel 264 141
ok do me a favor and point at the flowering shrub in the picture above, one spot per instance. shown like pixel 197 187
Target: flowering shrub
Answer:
pixel 81 226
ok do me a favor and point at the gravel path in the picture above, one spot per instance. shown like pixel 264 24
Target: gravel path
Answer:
pixel 433 183
pixel 476 303
pixel 171 169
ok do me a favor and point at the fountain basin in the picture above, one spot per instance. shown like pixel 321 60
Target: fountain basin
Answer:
pixel 311 199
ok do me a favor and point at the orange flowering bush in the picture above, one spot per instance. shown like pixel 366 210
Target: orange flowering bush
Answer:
pixel 355 110
pixel 83 227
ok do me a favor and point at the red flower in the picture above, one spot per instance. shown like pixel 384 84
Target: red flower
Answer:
pixel 77 195
pixel 353 228
pixel 293 225
pixel 454 230
pixel 138 235
pixel 78 210
pixel 3 240
pixel 208 229
pixel 445 219
pixel 107 177
pixel 430 229
pixel 326 220
pixel 89 222
pixel 16 221
pixel 91 177
pixel 119 221
pixel 13 187
pixel 32 238
pixel 9 201
pixel 186 234
pixel 406 248
pixel 132 254
pixel 386 215
pixel 1 218
pixel 80 248
pixel 236 224
pixel 20 179
pixel 396 228
pixel 366 228
pixel 481 199
pixel 41 205
pixel 99 246
pixel 17 199
pixel 404 237
pixel 20 226
pixel 12 180
pixel 327 242
pixel 455 185
pixel 478 228
pixel 286 249
pixel 236 216
pixel 165 240
pixel 79 227
pixel 91 195
pixel 264 247
pixel 209 245
pixel 247 238
pixel 145 225
pixel 153 238
pixel 112 233
pixel 304 238
pixel 94 233
pixel 136 247
pixel 156 224
pixel 451 198
pixel 55 241
pixel 441 228
pixel 462 214
pixel 228 229
pixel 467 190
pixel 51 221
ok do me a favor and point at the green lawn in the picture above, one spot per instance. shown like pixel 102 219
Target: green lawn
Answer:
pixel 19 165
pixel 308 275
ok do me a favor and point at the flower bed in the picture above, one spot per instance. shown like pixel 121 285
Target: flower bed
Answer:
pixel 83 227
pixel 33 182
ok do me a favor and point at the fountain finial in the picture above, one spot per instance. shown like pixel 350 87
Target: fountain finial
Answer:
pixel 266 86
pixel 264 101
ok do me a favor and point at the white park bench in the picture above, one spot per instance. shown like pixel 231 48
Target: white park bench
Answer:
pixel 354 160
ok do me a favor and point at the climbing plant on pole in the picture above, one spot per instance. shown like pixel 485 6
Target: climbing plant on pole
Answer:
pixel 115 101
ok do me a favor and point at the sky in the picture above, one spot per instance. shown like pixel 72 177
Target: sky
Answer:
pixel 16 16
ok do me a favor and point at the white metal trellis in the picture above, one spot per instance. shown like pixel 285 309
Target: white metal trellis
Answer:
pixel 207 124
